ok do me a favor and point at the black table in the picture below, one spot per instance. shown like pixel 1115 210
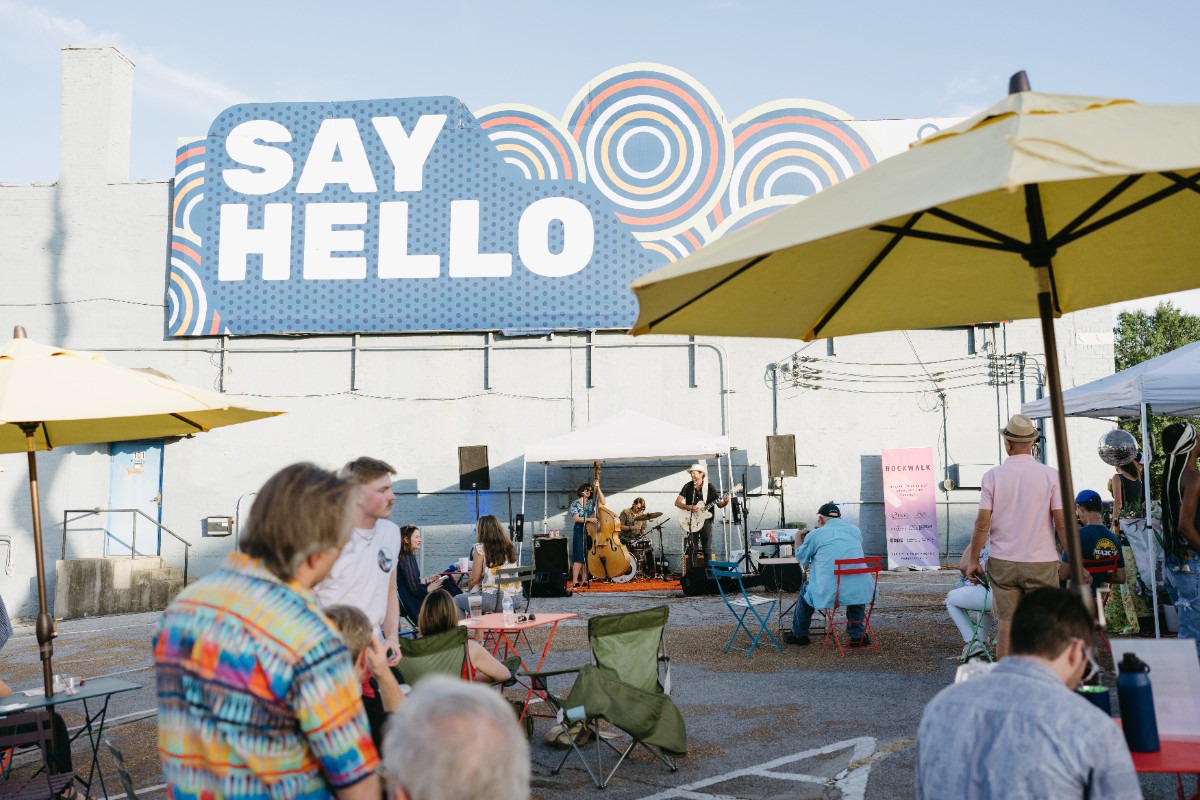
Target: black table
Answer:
pixel 93 726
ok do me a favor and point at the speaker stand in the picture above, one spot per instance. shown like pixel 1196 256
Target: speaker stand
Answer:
pixel 782 508
pixel 475 488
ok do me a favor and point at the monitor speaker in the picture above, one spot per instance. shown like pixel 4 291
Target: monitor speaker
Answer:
pixel 473 468
pixel 781 456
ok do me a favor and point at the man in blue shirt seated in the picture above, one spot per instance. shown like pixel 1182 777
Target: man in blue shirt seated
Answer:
pixel 1095 540
pixel 832 539
pixel 1020 731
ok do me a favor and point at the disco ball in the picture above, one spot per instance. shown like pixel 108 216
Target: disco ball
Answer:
pixel 1118 447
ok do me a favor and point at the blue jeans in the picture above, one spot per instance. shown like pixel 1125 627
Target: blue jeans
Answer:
pixel 802 617
pixel 1187 584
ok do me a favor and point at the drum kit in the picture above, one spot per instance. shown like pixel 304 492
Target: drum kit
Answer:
pixel 645 563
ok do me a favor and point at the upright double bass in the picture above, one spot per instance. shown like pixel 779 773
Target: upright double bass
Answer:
pixel 607 558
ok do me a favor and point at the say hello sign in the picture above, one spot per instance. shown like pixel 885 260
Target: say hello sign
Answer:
pixel 416 215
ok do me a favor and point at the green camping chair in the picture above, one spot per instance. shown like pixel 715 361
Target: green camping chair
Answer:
pixel 629 687
pixel 441 654
pixel 446 654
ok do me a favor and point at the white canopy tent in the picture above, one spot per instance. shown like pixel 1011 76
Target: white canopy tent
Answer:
pixel 1168 384
pixel 626 436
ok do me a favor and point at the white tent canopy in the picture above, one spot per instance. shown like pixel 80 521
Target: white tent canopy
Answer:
pixel 628 436
pixel 1169 384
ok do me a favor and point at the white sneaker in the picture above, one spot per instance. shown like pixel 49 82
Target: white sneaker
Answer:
pixel 972 650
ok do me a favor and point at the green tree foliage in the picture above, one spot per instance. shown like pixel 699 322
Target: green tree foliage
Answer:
pixel 1141 336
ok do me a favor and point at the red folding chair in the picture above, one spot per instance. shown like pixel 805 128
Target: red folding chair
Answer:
pixel 870 565
pixel 1104 569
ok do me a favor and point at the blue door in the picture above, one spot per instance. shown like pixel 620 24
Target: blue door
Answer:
pixel 135 481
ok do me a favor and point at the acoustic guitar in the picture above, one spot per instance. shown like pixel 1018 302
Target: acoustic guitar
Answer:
pixel 693 521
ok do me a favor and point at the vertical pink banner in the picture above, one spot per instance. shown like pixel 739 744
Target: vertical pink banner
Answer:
pixel 910 507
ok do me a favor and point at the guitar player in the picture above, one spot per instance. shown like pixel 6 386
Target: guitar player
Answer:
pixel 698 497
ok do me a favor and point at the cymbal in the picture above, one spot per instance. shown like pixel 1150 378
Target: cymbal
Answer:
pixel 645 517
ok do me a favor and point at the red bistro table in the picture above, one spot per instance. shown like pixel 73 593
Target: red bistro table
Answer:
pixel 1174 755
pixel 505 639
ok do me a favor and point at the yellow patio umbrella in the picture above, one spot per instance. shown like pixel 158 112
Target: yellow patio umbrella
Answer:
pixel 52 396
pixel 1041 205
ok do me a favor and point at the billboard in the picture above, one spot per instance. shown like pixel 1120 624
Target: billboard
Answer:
pixel 416 214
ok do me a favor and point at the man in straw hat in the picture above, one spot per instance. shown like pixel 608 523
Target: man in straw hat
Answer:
pixel 698 497
pixel 1020 514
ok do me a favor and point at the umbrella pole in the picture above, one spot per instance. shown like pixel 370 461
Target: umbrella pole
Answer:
pixel 1074 553
pixel 45 623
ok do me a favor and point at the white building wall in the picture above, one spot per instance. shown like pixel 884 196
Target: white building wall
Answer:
pixel 84 265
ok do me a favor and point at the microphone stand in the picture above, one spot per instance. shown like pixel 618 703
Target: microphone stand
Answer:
pixel 662 552
pixel 750 568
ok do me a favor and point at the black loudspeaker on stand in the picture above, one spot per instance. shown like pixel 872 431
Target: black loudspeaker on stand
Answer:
pixel 550 567
pixel 473 473
pixel 781 463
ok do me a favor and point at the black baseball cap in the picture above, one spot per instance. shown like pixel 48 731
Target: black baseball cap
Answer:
pixel 830 509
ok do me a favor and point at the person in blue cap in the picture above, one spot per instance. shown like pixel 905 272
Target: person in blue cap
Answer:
pixel 1095 540
pixel 833 538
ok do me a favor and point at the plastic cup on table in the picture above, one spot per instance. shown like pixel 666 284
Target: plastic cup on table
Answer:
pixel 475 603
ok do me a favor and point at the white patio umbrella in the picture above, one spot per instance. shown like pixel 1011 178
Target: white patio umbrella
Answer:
pixel 52 396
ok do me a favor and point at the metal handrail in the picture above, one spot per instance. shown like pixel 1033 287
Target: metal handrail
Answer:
pixel 187 546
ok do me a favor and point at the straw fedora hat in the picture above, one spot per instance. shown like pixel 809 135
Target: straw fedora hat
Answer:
pixel 1020 428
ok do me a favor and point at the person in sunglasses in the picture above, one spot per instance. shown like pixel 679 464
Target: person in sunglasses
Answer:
pixel 1020 730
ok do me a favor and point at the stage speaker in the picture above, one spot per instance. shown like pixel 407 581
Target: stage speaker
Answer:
pixel 550 567
pixel 781 456
pixel 473 468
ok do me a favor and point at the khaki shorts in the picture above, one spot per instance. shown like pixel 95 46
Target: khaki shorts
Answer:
pixel 1012 580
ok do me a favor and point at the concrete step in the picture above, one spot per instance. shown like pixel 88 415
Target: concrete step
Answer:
pixel 90 587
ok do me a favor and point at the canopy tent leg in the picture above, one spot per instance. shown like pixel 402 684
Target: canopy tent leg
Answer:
pixel 1149 520
pixel 545 497
pixel 521 544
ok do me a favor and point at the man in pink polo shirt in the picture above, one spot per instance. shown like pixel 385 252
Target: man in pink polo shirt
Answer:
pixel 1020 514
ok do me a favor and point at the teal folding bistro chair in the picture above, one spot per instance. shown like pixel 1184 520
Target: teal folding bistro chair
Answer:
pixel 980 636
pixel 742 606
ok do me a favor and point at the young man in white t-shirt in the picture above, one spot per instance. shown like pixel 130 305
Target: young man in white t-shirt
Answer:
pixel 364 576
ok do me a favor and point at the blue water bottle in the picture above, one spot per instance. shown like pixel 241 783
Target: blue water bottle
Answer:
pixel 1137 705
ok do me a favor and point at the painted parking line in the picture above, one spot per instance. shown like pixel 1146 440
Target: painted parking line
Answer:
pixel 852 781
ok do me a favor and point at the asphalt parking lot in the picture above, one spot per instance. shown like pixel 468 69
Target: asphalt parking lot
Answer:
pixel 796 724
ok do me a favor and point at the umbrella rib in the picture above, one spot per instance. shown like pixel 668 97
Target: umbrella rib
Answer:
pixel 1179 184
pixel 752 262
pixel 947 238
pixel 1094 208
pixel 187 421
pixel 983 230
pixel 899 233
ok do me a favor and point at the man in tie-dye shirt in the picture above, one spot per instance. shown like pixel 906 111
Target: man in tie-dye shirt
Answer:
pixel 257 695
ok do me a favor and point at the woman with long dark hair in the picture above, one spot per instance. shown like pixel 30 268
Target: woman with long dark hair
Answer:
pixel 492 552
pixel 409 583
pixel 1180 498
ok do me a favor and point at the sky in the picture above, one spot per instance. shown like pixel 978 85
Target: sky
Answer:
pixel 874 60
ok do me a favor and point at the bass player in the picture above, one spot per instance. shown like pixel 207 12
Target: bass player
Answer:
pixel 697 497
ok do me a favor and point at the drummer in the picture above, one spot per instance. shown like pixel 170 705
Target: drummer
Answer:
pixel 632 526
